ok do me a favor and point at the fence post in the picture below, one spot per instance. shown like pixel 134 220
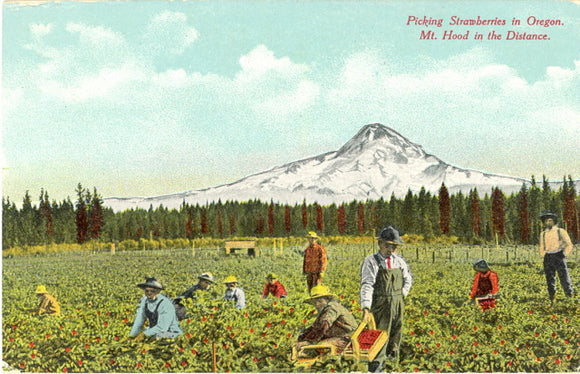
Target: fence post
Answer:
pixel 193 248
pixel 417 252
pixel 433 255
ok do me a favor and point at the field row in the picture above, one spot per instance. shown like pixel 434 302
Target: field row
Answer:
pixel 443 330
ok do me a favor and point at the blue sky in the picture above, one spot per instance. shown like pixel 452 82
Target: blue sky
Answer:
pixel 149 98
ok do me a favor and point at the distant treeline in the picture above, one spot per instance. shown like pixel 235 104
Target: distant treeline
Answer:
pixel 472 218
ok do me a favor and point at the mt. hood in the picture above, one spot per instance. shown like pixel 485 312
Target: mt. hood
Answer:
pixel 377 162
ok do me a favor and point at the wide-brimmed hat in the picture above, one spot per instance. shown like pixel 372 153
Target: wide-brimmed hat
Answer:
pixel 312 234
pixel 319 291
pixel 480 265
pixel 207 276
pixel 271 276
pixel 231 279
pixel 545 214
pixel 41 289
pixel 151 282
pixel 390 235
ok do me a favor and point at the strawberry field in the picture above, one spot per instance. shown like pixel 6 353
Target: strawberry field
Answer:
pixel 443 332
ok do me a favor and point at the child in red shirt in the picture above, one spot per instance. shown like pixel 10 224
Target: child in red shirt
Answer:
pixel 485 285
pixel 274 287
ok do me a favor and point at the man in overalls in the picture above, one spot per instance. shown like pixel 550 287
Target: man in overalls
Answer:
pixel 385 281
pixel 158 309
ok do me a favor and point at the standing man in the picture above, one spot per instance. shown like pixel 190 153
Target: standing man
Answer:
pixel 555 244
pixel 385 281
pixel 315 261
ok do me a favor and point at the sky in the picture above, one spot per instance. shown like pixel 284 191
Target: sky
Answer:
pixel 146 98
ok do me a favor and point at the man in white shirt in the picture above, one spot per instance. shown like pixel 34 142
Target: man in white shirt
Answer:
pixel 385 281
pixel 555 244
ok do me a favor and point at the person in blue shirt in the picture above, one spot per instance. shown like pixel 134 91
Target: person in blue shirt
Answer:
pixel 234 293
pixel 158 309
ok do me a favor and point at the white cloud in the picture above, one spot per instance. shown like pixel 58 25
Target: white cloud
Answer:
pixel 96 37
pixel 169 33
pixel 261 64
pixel 39 30
pixel 171 78
pixel 302 97
pixel 101 84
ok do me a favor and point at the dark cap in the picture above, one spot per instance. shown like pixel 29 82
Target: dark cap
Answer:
pixel 390 235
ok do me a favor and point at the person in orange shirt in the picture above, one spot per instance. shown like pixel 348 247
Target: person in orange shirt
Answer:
pixel 315 261
pixel 555 245
pixel 485 285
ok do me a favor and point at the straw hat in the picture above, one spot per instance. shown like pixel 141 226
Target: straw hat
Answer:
pixel 271 276
pixel 312 234
pixel 151 282
pixel 231 279
pixel 317 292
pixel 41 289
pixel 207 276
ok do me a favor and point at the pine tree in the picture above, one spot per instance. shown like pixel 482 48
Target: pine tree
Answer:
pixel 571 209
pixel 304 215
pixel 360 215
pixel 96 219
pixel 260 224
pixel 341 219
pixel 81 219
pixel 189 225
pixel 220 222
pixel 271 218
pixel 204 225
pixel 319 219
pixel 46 213
pixel 498 212
pixel 475 213
pixel 409 216
pixel 287 220
pixel 534 206
pixel 444 210
pixel 524 215
pixel 232 223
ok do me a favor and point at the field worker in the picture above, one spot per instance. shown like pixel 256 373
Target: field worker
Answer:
pixel 485 285
pixel 385 281
pixel 273 287
pixel 205 281
pixel 47 304
pixel 334 324
pixel 158 309
pixel 234 293
pixel 555 245
pixel 314 264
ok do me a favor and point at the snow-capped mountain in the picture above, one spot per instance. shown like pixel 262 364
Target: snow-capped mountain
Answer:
pixel 376 162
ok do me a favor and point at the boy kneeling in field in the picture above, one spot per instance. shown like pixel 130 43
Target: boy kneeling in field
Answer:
pixel 334 324
pixel 485 285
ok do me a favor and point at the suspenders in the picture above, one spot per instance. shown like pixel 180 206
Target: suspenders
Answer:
pixel 544 237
